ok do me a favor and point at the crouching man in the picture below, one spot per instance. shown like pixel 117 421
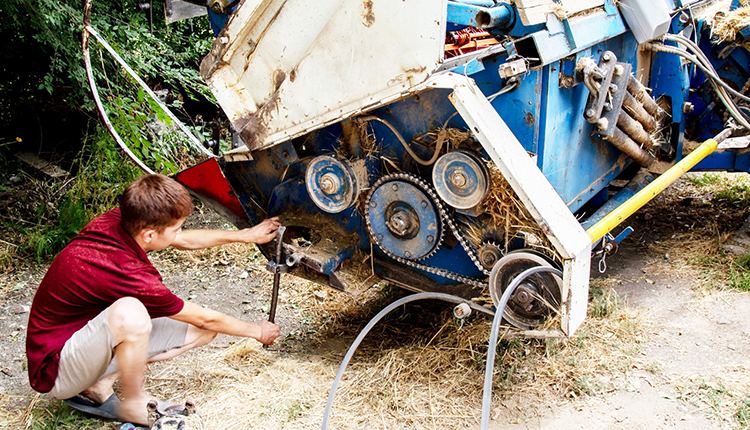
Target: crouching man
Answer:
pixel 102 312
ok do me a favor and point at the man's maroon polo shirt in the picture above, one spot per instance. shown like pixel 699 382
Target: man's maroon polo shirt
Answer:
pixel 99 266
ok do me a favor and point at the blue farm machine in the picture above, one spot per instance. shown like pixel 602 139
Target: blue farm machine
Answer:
pixel 449 145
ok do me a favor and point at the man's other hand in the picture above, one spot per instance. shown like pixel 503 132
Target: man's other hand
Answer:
pixel 263 232
pixel 268 332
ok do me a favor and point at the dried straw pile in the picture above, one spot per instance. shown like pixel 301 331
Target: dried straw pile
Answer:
pixel 510 216
pixel 419 369
pixel 727 24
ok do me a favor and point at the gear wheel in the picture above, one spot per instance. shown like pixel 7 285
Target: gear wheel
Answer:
pixel 403 218
pixel 444 219
pixel 488 254
pixel 535 299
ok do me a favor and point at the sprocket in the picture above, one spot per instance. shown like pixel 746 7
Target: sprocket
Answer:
pixel 403 217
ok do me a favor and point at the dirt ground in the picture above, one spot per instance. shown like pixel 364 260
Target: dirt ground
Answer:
pixel 690 368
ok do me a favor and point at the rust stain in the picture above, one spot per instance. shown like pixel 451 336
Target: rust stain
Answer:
pixel 528 119
pixel 279 76
pixel 293 75
pixel 369 17
pixel 255 128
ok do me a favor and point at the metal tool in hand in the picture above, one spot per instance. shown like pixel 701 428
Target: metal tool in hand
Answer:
pixel 277 266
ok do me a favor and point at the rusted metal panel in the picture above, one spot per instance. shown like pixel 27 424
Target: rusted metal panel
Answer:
pixel 278 71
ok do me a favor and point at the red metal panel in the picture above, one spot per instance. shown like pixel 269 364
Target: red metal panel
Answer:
pixel 207 180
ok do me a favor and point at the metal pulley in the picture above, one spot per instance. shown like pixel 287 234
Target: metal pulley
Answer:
pixel 461 179
pixel 536 298
pixel 334 184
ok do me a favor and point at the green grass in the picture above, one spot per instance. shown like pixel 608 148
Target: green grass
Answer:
pixel 730 188
pixel 743 414
pixel 49 415
pixel 705 180
pixel 729 404
pixel 49 213
pixel 603 302
pixel 726 271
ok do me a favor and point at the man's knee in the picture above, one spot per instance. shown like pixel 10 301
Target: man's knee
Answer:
pixel 128 319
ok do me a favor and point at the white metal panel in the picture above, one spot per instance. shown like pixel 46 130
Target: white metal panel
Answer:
pixel 534 12
pixel 534 190
pixel 283 68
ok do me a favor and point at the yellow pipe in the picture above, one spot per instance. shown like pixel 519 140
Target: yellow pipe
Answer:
pixel 614 218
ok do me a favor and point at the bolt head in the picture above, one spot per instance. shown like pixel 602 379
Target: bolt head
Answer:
pixel 602 124
pixel 459 179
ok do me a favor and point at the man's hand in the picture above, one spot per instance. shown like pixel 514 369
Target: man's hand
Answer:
pixel 268 332
pixel 263 232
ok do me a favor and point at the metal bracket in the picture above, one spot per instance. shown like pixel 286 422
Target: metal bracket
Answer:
pixel 604 103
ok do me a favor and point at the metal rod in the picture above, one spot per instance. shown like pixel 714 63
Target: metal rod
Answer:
pixel 88 29
pixel 277 273
pixel 625 144
pixel 636 110
pixel 634 129
pixel 619 215
pixel 638 90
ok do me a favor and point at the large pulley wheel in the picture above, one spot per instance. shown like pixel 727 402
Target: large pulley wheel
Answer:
pixel 535 299
pixel 403 220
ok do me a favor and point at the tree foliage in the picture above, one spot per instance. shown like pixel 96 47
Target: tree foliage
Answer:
pixel 44 48
pixel 44 74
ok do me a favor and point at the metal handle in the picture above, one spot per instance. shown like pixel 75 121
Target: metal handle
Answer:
pixel 277 273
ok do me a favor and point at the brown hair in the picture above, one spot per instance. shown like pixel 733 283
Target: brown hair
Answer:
pixel 153 201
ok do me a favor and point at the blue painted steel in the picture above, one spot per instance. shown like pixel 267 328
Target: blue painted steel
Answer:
pixel 341 179
pixel 545 113
pixel 623 234
pixel 469 14
pixel 561 40
pixel 483 3
pixel 621 197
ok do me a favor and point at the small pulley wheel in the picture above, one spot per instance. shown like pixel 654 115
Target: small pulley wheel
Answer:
pixel 461 179
pixel 331 183
pixel 535 299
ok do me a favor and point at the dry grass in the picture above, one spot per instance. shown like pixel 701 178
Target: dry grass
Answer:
pixel 511 217
pixel 724 396
pixel 702 213
pixel 727 24
pixel 420 369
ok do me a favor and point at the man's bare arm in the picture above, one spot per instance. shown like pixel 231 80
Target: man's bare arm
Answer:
pixel 198 239
pixel 209 319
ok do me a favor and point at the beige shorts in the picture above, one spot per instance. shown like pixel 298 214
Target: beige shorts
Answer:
pixel 88 355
